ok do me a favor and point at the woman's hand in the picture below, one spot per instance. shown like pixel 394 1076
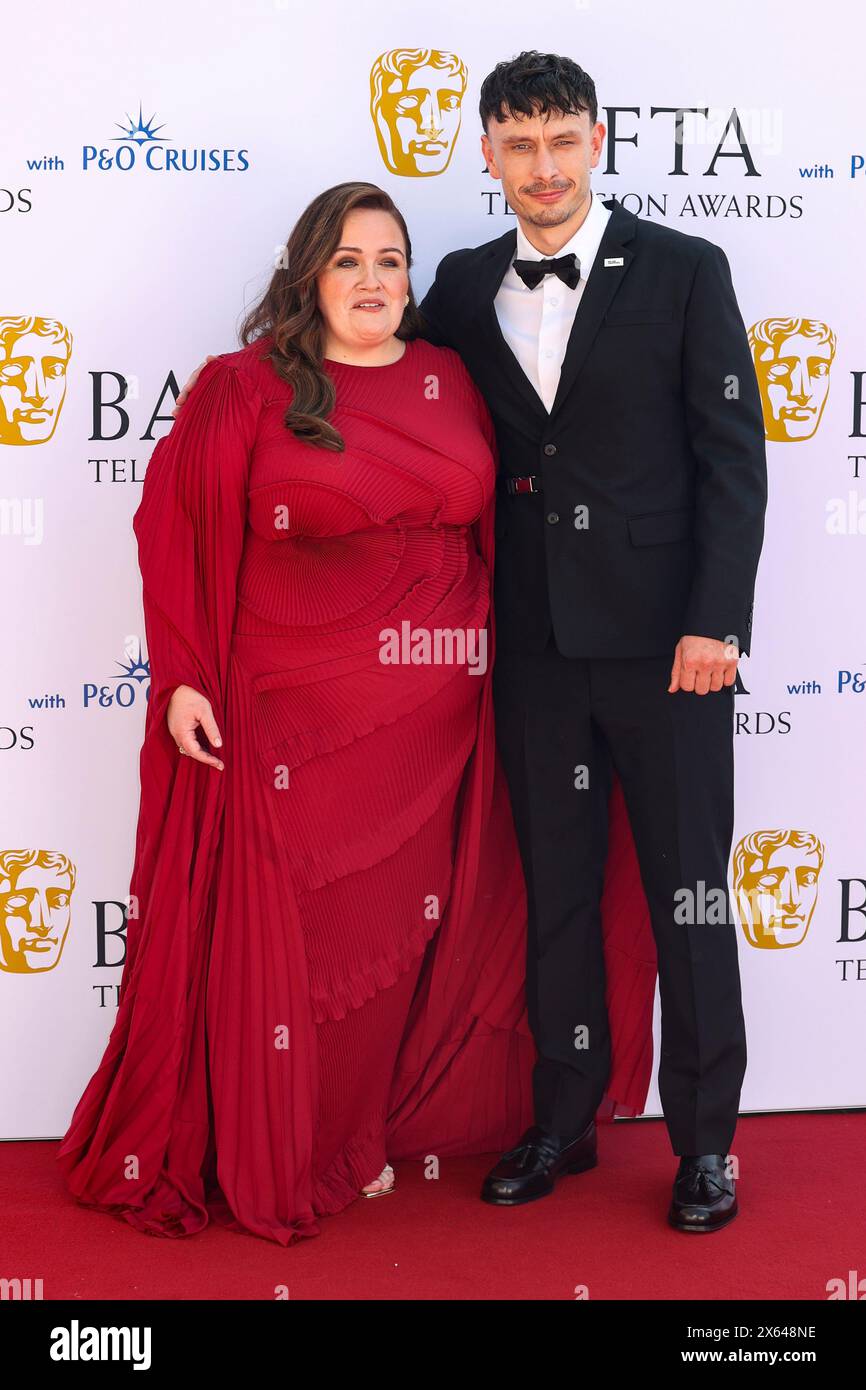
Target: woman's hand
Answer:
pixel 187 709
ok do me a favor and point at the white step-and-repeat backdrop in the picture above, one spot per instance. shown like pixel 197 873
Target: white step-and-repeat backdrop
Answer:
pixel 152 162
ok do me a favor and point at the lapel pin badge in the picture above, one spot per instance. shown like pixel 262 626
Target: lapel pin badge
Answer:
pixel 613 260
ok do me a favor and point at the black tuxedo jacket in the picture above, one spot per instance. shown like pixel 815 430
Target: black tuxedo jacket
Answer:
pixel 656 431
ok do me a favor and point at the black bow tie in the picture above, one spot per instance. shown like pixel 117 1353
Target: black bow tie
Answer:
pixel 566 267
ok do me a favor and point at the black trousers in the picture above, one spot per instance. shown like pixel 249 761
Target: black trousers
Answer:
pixel 673 754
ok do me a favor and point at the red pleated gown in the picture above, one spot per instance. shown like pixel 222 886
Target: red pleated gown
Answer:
pixel 326 941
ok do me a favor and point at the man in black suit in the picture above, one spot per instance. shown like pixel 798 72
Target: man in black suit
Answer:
pixel 616 366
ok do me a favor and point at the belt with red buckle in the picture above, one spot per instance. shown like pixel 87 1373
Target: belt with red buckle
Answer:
pixel 513 486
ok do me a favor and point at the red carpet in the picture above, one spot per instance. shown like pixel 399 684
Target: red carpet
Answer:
pixel 800 1224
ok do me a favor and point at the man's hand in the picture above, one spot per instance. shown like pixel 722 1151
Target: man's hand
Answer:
pixel 188 710
pixel 702 664
pixel 188 385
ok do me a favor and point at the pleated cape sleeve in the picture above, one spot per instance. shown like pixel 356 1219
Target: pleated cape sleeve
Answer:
pixel 189 527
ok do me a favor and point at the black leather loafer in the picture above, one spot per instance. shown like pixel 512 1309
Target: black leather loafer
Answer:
pixel 704 1197
pixel 530 1170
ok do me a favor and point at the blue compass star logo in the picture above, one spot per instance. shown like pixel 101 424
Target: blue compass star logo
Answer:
pixel 136 670
pixel 140 132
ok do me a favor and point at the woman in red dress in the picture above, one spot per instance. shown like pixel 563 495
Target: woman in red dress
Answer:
pixel 326 939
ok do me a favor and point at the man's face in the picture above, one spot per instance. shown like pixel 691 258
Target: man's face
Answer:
pixel 417 120
pixel 794 380
pixel 777 896
pixel 544 163
pixel 32 387
pixel 34 920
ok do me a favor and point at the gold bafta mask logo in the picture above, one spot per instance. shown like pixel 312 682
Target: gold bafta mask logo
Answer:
pixel 776 885
pixel 415 100
pixel 35 909
pixel 34 356
pixel 792 360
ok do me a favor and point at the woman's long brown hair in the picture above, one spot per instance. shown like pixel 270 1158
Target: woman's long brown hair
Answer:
pixel 288 310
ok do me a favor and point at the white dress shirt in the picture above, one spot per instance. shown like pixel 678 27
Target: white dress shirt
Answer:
pixel 536 324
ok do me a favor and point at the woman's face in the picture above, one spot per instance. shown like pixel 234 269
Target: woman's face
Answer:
pixel 362 290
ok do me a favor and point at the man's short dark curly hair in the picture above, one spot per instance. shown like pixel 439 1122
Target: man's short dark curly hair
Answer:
pixel 535 83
